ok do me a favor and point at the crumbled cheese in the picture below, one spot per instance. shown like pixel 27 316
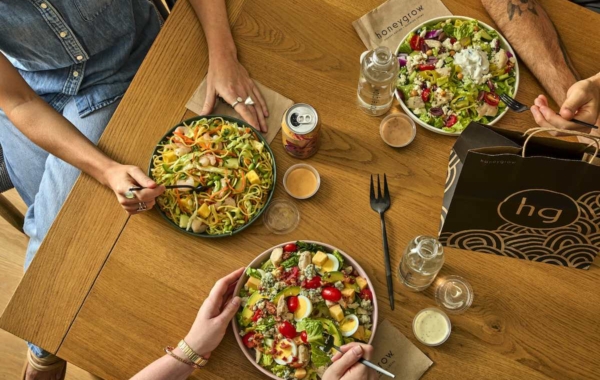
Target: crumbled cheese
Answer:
pixel 402 79
pixel 439 64
pixel 447 44
pixel 339 285
pixel 428 84
pixel 418 111
pixel 366 304
pixel 309 271
pixel 494 44
pixel 364 319
pixel 267 280
pixel 457 46
pixel 445 110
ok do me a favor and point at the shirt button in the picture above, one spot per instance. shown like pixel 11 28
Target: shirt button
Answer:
pixel 44 5
pixel 63 34
pixel 79 58
pixel 75 74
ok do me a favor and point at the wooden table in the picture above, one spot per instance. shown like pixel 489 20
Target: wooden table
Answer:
pixel 107 292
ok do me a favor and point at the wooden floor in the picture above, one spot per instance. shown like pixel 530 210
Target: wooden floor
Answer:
pixel 12 255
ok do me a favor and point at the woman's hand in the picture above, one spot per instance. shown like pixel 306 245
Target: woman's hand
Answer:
pixel 228 79
pixel 214 316
pixel 345 364
pixel 122 177
pixel 582 103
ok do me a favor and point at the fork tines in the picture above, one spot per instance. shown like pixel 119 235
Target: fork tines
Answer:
pixel 386 192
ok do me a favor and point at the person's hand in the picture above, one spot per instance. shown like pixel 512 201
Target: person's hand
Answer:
pixel 122 177
pixel 582 103
pixel 214 316
pixel 228 79
pixel 346 366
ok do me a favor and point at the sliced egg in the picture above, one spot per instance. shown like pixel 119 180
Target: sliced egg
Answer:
pixel 286 351
pixel 331 265
pixel 349 325
pixel 304 308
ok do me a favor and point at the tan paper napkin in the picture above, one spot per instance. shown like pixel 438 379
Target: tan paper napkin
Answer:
pixel 396 353
pixel 390 22
pixel 276 104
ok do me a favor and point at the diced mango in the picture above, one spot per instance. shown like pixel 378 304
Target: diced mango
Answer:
pixel 320 258
pixel 362 283
pixel 253 177
pixel 336 312
pixel 253 283
pixel 169 156
pixel 204 211
pixel 360 333
pixel 348 292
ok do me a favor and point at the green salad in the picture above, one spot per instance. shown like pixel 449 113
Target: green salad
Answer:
pixel 295 301
pixel 452 72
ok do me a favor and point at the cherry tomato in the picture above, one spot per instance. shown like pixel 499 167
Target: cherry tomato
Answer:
pixel 425 94
pixel 313 283
pixel 287 330
pixel 331 294
pixel 290 248
pixel 366 294
pixel 491 98
pixel 451 120
pixel 452 40
pixel 304 337
pixel 416 42
pixel 426 67
pixel 257 315
pixel 248 340
pixel 292 303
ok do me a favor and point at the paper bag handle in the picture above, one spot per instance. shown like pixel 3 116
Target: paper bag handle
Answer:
pixel 533 131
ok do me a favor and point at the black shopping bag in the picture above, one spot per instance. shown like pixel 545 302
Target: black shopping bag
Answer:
pixel 543 206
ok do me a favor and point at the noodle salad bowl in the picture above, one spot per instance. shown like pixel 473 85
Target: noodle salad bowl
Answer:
pixel 230 160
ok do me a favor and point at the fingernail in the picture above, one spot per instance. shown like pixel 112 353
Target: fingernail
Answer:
pixel 357 350
pixel 235 301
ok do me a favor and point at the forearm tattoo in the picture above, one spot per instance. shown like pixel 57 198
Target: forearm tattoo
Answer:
pixel 518 7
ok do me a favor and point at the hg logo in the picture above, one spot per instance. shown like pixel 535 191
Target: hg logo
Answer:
pixel 539 209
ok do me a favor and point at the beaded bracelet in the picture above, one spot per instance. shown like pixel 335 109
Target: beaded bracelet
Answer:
pixel 169 351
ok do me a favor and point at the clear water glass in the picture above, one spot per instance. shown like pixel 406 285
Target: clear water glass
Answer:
pixel 421 262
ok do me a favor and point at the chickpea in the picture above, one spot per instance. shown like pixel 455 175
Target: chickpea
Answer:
pixel 459 76
pixel 452 52
pixel 414 93
pixel 429 52
pixel 443 93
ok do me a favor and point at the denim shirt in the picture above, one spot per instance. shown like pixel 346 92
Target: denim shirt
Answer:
pixel 86 49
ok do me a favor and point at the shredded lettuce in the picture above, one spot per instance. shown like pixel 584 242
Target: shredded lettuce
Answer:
pixel 253 273
pixel 303 246
pixel 291 262
pixel 318 357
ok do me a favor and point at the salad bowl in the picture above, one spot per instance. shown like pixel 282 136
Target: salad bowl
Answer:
pixel 489 86
pixel 239 326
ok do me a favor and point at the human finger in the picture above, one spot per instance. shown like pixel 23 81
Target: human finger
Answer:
pixel 140 177
pixel 209 101
pixel 260 99
pixel 215 297
pixel 559 122
pixel 350 357
pixel 367 349
pixel 229 311
pixel 576 99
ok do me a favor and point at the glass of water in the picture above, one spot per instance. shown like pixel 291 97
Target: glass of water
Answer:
pixel 421 262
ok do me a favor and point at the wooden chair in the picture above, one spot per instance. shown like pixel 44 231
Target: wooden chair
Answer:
pixel 8 211
pixel 164 7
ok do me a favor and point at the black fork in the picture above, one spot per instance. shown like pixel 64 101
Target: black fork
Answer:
pixel 381 205
pixel 520 107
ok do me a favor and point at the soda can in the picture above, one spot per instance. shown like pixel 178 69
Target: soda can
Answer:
pixel 300 130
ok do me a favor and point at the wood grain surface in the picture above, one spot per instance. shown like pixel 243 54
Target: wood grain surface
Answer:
pixel 528 320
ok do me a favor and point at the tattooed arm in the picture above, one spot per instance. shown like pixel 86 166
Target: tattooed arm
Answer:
pixel 531 33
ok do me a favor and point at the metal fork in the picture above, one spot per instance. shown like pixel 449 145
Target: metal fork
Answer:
pixel 381 205
pixel 519 107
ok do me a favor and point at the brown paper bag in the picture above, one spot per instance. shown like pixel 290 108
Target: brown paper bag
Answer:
pixel 276 104
pixel 397 354
pixel 389 23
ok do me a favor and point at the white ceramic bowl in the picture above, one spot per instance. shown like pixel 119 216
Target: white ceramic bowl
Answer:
pixel 256 263
pixel 503 43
